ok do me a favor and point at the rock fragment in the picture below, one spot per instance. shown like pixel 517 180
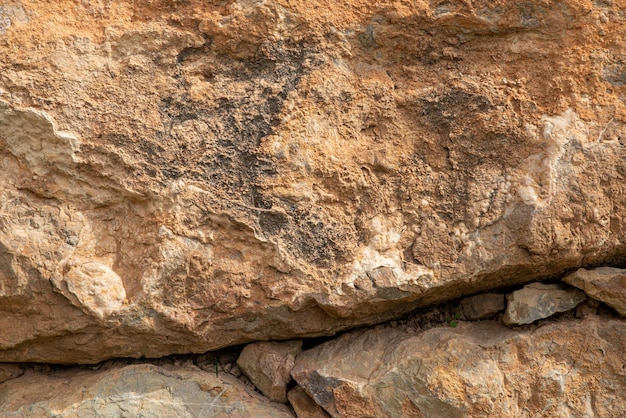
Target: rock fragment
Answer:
pixel 268 365
pixel 9 371
pixel 482 306
pixel 538 301
pixel 607 284
pixel 304 405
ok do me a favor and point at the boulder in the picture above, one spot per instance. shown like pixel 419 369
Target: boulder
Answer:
pixel 606 284
pixel 268 365
pixel 181 176
pixel 569 368
pixel 538 301
pixel 145 390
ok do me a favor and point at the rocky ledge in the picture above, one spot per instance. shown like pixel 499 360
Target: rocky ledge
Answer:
pixel 182 177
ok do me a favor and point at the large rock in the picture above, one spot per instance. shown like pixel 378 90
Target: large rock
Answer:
pixel 183 176
pixel 479 369
pixel 132 391
pixel 606 284
pixel 538 301
pixel 268 365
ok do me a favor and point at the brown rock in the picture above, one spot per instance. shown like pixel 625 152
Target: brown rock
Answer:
pixel 606 284
pixel 9 371
pixel 538 300
pixel 569 368
pixel 304 405
pixel 133 390
pixel 183 176
pixel 268 365
pixel 483 306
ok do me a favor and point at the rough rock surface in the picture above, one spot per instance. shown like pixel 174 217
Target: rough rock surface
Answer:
pixel 479 369
pixel 141 390
pixel 607 284
pixel 538 300
pixel 304 405
pixel 482 306
pixel 268 365
pixel 183 176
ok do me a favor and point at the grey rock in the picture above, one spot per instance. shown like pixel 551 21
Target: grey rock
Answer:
pixel 538 301
pixel 141 390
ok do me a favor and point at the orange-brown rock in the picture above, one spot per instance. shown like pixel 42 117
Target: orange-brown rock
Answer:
pixel 183 176
pixel 605 283
pixel 478 369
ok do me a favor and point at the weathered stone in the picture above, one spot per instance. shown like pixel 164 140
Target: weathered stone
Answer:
pixel 180 176
pixel 9 371
pixel 485 305
pixel 538 300
pixel 569 368
pixel 304 405
pixel 606 284
pixel 268 365
pixel 132 391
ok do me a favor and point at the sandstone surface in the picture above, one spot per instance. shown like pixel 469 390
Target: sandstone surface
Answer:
pixel 139 390
pixel 538 300
pixel 183 176
pixel 479 369
pixel 607 284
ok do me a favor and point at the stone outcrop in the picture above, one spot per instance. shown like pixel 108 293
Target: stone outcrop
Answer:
pixel 178 177
pixel 482 369
pixel 607 284
pixel 184 176
pixel 132 390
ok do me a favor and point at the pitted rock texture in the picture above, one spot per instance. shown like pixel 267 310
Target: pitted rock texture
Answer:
pixel 184 176
pixel 479 369
pixel 139 390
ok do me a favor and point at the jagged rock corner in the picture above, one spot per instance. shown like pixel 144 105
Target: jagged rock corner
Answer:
pixel 182 178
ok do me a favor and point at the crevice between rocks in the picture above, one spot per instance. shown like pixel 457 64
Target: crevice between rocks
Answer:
pixel 224 362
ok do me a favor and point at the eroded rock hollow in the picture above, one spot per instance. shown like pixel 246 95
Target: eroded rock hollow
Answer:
pixel 184 176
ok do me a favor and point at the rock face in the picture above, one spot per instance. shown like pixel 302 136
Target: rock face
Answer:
pixel 537 301
pixel 184 176
pixel 133 390
pixel 605 283
pixel 570 368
